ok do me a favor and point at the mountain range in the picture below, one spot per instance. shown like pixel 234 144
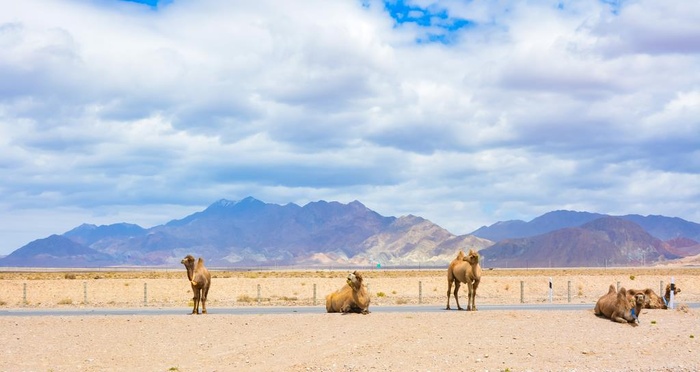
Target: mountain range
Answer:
pixel 250 233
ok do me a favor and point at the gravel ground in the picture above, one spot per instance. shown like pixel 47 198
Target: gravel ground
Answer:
pixel 666 340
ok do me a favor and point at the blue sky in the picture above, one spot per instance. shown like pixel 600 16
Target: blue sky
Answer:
pixel 462 112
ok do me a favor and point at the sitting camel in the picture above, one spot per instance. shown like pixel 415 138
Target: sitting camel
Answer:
pixel 615 306
pixel 653 301
pixel 200 279
pixel 464 269
pixel 351 298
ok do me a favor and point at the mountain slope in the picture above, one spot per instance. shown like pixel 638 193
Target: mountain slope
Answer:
pixel 56 251
pixel 661 227
pixel 250 232
pixel 607 241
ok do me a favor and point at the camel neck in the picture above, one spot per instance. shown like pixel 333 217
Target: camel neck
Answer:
pixel 190 272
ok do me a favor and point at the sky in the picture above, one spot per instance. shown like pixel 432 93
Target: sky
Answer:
pixel 462 112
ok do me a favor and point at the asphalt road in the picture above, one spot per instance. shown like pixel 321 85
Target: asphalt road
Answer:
pixel 263 310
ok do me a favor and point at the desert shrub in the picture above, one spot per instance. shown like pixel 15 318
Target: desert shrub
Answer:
pixel 3 303
pixel 245 298
pixel 401 301
pixel 393 292
pixel 65 301
pixel 381 294
pixel 69 276
pixel 631 277
pixel 285 298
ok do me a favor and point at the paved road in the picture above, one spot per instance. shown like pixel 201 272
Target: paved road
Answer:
pixel 245 310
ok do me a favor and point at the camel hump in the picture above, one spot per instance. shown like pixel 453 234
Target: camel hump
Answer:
pixel 622 293
pixel 200 262
pixel 460 255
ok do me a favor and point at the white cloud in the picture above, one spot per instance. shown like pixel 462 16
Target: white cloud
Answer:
pixel 107 107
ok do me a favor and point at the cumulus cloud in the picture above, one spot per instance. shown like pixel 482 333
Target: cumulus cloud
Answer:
pixel 464 113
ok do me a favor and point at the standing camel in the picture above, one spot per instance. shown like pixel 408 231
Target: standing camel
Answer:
pixel 200 279
pixel 464 269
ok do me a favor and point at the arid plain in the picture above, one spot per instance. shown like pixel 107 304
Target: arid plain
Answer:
pixel 494 340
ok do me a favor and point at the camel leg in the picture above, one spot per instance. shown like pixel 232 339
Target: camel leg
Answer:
pixel 456 293
pixel 195 310
pixel 620 319
pixel 472 295
pixel 470 288
pixel 205 291
pixel 449 289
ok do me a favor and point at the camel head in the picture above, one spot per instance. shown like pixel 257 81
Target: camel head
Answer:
pixel 639 299
pixel 472 257
pixel 667 293
pixel 354 280
pixel 188 261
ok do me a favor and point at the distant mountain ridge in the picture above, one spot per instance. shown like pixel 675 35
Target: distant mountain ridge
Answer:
pixel 250 233
pixel 661 227
pixel 606 241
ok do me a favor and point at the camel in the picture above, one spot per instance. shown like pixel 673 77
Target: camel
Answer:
pixel 464 269
pixel 653 301
pixel 351 298
pixel 200 279
pixel 615 306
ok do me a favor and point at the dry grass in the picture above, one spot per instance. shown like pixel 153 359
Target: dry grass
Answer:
pixel 307 287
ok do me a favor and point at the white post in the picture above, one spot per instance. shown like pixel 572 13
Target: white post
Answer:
pixel 673 287
pixel 550 289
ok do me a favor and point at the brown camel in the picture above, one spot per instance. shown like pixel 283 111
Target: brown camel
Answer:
pixel 464 269
pixel 351 298
pixel 615 306
pixel 200 279
pixel 667 296
pixel 653 301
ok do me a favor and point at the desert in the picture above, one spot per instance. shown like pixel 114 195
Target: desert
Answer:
pixel 484 340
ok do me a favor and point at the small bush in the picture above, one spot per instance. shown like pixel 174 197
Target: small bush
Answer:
pixel 631 277
pixel 401 301
pixel 245 298
pixel 381 294
pixel 69 276
pixel 65 301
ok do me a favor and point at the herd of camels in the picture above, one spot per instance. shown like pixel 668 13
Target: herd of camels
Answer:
pixel 622 306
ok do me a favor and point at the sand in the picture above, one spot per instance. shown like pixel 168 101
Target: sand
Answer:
pixel 493 340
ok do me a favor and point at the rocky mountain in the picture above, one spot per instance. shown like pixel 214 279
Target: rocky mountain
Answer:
pixel 56 251
pixel 250 232
pixel 606 241
pixel 661 227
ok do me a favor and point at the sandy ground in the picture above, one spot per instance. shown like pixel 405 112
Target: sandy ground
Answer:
pixel 495 340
